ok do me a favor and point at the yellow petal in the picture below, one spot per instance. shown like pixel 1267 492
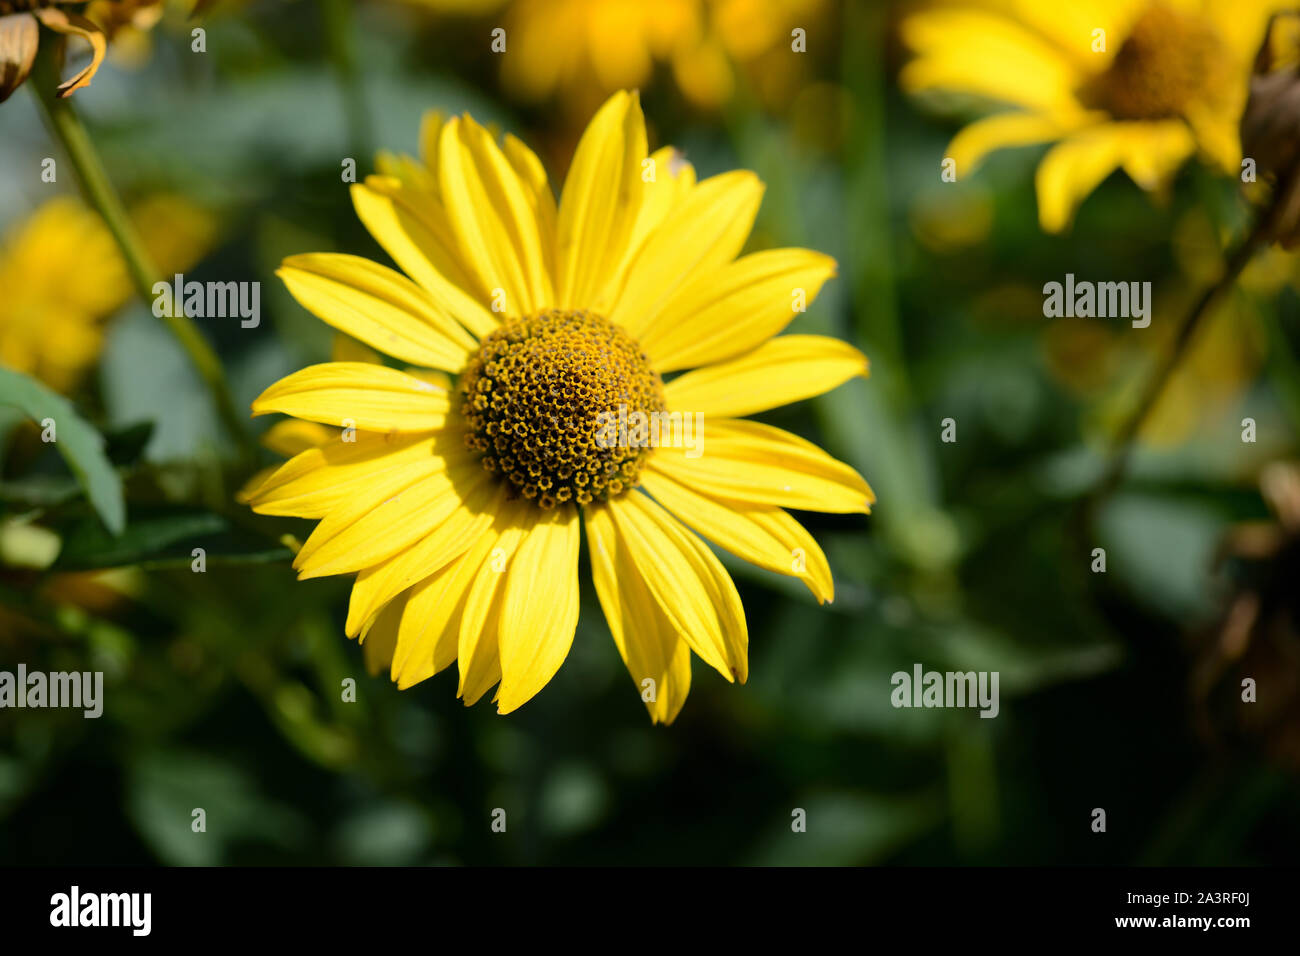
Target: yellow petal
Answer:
pixel 532 174
pixel 290 437
pixel 344 348
pixel 760 534
pixel 380 583
pixel 379 307
pixel 736 308
pixel 429 636
pixel 286 438
pixel 412 228
pixel 1155 151
pixel 539 610
pixel 379 643
pixel 245 494
pixel 403 517
pixel 1218 137
pixel 972 51
pixel 782 370
pixel 368 397
pixel 687 581
pixel 658 661
pixel 1072 169
pixel 748 461
pixel 492 217
pixel 478 654
pixel 705 231
pixel 317 480
pixel 431 124
pixel 976 140
pixel 674 178
pixel 599 206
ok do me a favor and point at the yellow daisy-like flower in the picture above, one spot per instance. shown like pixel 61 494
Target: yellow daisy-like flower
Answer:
pixel 1140 85
pixel 582 50
pixel 460 504
pixel 63 277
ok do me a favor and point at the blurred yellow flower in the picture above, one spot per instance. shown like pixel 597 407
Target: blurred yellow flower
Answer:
pixel 461 506
pixel 583 50
pixel 1140 85
pixel 63 277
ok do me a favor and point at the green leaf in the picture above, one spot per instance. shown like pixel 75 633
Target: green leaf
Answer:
pixel 80 445
pixel 164 537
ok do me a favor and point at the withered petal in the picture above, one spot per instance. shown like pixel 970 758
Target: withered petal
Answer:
pixel 72 24
pixel 19 37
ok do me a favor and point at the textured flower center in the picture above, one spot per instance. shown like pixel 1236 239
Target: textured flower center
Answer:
pixel 1169 61
pixel 540 395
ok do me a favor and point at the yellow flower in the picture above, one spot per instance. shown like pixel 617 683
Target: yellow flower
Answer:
pixel 63 277
pixel 460 506
pixel 582 50
pixel 1140 85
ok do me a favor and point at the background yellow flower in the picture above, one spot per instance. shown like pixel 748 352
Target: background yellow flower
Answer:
pixel 1141 85
pixel 63 278
pixel 580 51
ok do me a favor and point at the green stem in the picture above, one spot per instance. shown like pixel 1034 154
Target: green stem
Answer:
pixel 1127 437
pixel 99 192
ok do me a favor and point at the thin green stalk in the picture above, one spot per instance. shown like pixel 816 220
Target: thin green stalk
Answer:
pixel 1240 258
pixel 99 192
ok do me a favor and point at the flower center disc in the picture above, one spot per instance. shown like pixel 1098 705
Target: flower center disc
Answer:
pixel 533 398
pixel 1168 62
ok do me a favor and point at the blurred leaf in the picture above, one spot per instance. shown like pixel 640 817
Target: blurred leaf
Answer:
pixel 383 833
pixel 165 789
pixel 1162 549
pixel 80 445
pixel 847 829
pixel 1022 667
pixel 40 491
pixel 164 537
